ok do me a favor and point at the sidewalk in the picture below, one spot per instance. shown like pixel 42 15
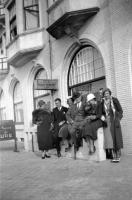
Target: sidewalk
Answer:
pixel 25 176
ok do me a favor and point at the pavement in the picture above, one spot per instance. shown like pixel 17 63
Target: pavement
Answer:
pixel 25 176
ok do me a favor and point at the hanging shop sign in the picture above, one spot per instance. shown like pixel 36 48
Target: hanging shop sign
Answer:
pixel 46 84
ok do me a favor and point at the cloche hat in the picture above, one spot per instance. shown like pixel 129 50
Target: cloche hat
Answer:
pixel 90 97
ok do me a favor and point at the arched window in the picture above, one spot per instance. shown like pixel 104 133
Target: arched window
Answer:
pixel 40 94
pixel 2 107
pixel 18 104
pixel 86 66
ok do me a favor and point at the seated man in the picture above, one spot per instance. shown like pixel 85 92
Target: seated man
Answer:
pixel 75 117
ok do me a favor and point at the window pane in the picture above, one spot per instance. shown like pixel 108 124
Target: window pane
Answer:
pixel 12 20
pixel 2 114
pixel 18 103
pixel 30 2
pixel 31 11
pixel 17 93
pixel 2 107
pixel 86 65
pixel 19 112
pixel 42 74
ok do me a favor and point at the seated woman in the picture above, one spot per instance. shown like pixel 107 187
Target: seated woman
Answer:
pixel 92 122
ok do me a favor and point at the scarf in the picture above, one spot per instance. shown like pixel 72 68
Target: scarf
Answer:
pixel 107 106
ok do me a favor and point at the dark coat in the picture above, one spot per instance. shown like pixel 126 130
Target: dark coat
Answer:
pixel 115 123
pixel 75 117
pixel 43 120
pixel 57 117
pixel 93 121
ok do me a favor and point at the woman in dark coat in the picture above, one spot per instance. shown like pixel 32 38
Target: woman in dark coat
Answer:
pixel 42 118
pixel 112 113
pixel 93 122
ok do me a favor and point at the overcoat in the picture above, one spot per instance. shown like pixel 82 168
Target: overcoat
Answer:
pixel 44 136
pixel 57 117
pixel 75 117
pixel 115 127
pixel 93 123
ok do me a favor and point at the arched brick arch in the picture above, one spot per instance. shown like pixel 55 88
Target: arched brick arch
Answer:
pixel 12 85
pixel 67 60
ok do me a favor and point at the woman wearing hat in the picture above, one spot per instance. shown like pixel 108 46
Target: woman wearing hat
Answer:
pixel 42 118
pixel 92 122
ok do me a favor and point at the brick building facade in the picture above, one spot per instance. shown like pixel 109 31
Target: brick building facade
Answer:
pixel 53 42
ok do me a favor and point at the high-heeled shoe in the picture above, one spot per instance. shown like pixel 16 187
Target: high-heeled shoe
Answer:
pixel 47 156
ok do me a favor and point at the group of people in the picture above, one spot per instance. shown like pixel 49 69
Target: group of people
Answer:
pixel 81 120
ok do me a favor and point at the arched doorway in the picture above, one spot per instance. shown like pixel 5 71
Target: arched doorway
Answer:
pixel 41 94
pixel 86 72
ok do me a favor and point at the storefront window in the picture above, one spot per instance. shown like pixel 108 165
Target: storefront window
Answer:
pixel 12 20
pixel 86 67
pixel 40 94
pixel 2 107
pixel 18 104
pixel 31 13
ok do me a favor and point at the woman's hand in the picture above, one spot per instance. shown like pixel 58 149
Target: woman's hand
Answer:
pixel 103 118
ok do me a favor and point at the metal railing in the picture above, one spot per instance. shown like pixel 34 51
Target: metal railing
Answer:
pixel 3 66
pixel 2 11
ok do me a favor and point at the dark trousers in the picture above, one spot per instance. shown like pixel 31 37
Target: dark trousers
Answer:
pixel 57 140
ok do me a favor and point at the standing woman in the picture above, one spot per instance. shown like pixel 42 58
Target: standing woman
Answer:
pixel 42 118
pixel 112 113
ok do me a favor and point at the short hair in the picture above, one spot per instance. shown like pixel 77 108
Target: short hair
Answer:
pixel 70 99
pixel 58 99
pixel 107 90
pixel 41 102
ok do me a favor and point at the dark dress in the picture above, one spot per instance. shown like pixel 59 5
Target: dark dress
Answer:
pixel 44 134
pixel 91 126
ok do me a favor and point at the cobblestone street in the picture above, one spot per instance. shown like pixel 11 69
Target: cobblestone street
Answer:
pixel 25 176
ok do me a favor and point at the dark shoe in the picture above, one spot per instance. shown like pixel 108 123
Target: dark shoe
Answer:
pixel 47 156
pixel 43 157
pixel 59 155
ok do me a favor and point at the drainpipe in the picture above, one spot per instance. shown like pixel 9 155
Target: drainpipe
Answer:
pixel 50 47
pixel 50 52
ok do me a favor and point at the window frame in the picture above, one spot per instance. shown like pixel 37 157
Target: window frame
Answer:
pixel 12 20
pixel 41 96
pixel 15 104
pixel 2 108
pixel 94 79
pixel 25 18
